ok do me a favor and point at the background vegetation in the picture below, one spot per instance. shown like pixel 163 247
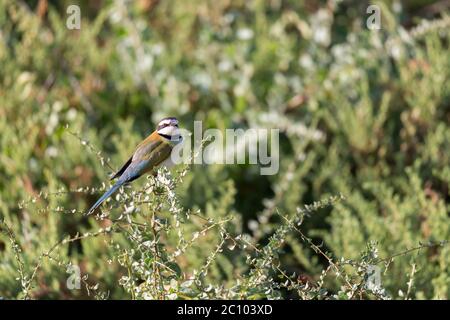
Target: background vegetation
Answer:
pixel 364 165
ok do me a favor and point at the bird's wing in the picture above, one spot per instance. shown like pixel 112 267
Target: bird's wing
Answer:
pixel 151 162
pixel 146 146
pixel 159 154
pixel 144 160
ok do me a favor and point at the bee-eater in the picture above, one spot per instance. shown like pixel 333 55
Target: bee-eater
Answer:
pixel 151 153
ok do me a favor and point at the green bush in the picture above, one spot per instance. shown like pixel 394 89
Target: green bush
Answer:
pixel 364 176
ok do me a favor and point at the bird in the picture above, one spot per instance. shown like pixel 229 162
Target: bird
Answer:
pixel 149 155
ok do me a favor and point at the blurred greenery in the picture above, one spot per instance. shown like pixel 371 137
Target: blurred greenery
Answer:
pixel 363 113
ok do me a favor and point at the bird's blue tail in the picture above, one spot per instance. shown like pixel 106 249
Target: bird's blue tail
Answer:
pixel 105 196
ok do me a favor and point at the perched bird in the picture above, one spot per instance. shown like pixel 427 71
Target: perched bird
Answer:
pixel 151 153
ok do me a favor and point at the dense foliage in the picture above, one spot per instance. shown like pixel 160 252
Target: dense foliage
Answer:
pixel 363 186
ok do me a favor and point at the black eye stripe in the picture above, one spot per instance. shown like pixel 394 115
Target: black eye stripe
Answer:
pixel 161 126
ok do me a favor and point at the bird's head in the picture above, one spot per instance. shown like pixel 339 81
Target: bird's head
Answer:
pixel 168 128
